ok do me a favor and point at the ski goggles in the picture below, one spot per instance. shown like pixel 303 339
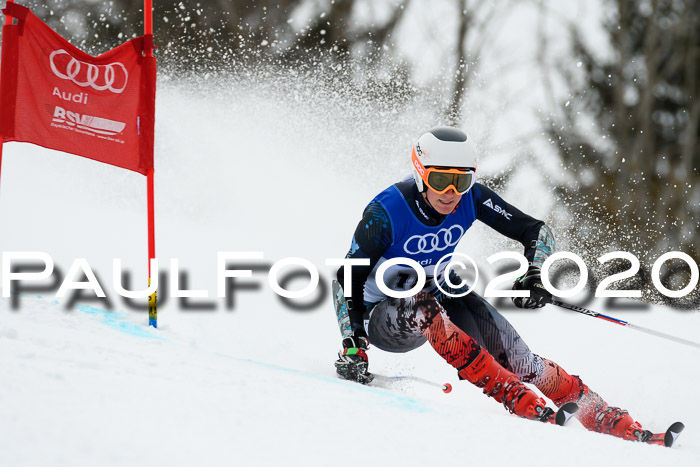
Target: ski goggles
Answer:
pixel 442 179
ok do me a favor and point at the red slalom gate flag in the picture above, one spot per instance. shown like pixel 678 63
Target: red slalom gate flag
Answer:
pixel 59 97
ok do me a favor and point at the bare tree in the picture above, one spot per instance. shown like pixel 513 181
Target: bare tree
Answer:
pixel 628 132
pixel 476 24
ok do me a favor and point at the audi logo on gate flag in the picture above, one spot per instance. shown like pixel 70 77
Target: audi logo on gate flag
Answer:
pixel 59 97
pixel 112 77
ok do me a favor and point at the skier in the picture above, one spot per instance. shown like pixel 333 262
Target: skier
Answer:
pixel 423 218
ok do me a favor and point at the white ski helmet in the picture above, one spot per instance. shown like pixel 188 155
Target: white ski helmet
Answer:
pixel 443 147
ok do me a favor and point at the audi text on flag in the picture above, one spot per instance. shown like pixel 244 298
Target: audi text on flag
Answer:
pixel 57 96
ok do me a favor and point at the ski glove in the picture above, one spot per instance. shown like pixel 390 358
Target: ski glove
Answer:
pixel 532 281
pixel 352 363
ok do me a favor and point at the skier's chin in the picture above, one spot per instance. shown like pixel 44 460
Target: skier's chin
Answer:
pixel 443 203
pixel 445 207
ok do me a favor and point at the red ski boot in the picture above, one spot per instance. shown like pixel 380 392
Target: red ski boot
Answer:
pixel 594 413
pixel 504 386
pixel 617 422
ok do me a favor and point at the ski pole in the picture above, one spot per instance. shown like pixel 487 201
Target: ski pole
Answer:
pixel 446 387
pixel 611 319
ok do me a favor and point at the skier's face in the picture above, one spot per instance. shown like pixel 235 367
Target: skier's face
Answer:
pixel 444 203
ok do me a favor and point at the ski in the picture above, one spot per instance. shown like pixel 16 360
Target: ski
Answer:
pixel 663 439
pixel 548 415
pixel 561 416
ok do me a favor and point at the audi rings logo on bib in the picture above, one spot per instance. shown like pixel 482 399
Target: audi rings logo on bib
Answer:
pixel 431 242
pixel 112 77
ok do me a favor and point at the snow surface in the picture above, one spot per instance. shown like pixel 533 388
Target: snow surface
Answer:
pixel 285 169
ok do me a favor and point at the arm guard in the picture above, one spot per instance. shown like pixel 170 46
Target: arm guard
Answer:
pixel 544 246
